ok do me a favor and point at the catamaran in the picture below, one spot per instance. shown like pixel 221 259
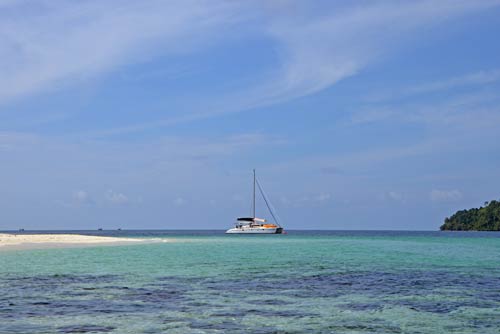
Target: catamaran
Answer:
pixel 254 225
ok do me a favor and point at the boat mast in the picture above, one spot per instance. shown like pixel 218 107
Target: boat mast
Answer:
pixel 253 193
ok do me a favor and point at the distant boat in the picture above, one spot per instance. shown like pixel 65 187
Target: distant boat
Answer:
pixel 99 229
pixel 254 225
pixel 21 230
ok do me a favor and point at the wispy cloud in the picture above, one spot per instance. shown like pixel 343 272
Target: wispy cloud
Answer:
pixel 323 197
pixel 101 167
pixel 438 195
pixel 105 179
pixel 475 79
pixel 319 50
pixel 179 201
pixel 477 109
pixel 116 197
pixel 13 140
pixel 394 196
pixel 331 170
pixel 55 44
pixel 303 200
pixel 81 197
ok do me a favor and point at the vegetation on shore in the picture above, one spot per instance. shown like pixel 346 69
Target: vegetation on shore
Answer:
pixel 485 218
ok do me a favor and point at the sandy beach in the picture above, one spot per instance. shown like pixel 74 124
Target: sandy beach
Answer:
pixel 38 241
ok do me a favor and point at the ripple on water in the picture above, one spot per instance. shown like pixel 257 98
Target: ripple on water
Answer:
pixel 237 305
pixel 85 329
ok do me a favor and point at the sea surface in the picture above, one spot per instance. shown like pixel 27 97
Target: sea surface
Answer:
pixel 302 282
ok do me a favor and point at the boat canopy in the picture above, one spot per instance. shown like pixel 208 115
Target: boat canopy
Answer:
pixel 251 219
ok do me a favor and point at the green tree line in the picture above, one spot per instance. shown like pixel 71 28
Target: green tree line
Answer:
pixel 485 218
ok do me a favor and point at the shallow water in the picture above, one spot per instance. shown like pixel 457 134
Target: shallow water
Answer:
pixel 206 282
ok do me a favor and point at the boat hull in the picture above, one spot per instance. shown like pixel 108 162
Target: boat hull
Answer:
pixel 255 230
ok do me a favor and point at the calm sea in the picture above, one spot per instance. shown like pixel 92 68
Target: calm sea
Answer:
pixel 302 282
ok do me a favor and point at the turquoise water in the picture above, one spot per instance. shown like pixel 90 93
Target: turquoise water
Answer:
pixel 303 282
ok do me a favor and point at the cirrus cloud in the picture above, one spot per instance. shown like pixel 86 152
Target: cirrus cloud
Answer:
pixel 437 195
pixel 59 43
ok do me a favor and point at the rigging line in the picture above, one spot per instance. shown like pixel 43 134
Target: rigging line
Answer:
pixel 267 203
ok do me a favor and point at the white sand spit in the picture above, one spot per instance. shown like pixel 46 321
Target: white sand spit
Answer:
pixel 34 241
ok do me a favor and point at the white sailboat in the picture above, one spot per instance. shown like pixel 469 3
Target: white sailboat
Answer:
pixel 254 225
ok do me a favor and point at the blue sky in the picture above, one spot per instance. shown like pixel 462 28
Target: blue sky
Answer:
pixel 152 114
